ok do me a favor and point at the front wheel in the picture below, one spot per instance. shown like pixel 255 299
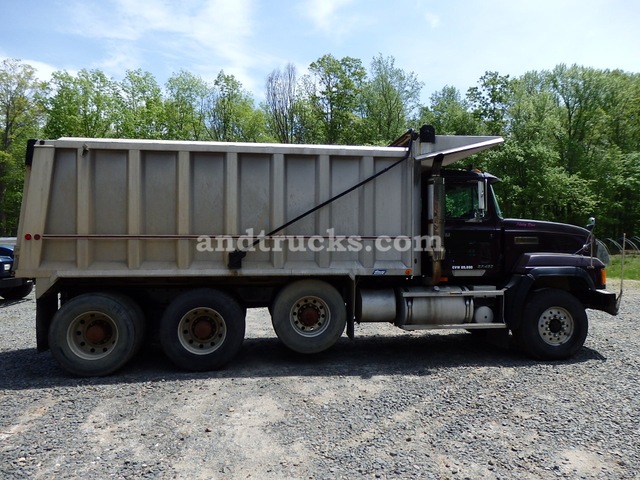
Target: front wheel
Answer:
pixel 309 316
pixel 554 325
pixel 202 330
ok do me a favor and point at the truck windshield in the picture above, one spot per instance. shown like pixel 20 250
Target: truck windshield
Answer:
pixel 495 202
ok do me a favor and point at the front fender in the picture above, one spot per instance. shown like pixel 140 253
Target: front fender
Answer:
pixel 572 279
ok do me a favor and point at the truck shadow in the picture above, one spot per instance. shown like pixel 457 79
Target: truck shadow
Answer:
pixel 7 303
pixel 364 357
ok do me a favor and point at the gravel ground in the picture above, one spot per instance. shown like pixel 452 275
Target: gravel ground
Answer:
pixel 389 405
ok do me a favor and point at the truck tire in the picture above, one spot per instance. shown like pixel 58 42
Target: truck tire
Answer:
pixel 202 330
pixel 309 316
pixel 554 325
pixel 95 334
pixel 138 318
pixel 16 293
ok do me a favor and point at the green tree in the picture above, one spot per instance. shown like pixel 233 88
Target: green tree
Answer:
pixel 578 94
pixel 308 126
pixel 333 90
pixel 11 180
pixel 449 113
pixel 140 107
pixel 614 165
pixel 536 183
pixel 20 119
pixel 20 112
pixel 621 109
pixel 618 192
pixel 521 190
pixel 596 136
pixel 230 114
pixel 490 102
pixel 389 101
pixel 185 107
pixel 85 105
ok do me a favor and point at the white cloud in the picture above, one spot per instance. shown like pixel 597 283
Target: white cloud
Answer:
pixel 328 16
pixel 196 33
pixel 99 20
pixel 223 28
pixel 119 60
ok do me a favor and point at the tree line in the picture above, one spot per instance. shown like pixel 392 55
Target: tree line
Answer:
pixel 572 134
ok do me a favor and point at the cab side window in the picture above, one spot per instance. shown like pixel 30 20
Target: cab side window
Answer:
pixel 462 202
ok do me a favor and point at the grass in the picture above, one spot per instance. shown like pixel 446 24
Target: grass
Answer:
pixel 631 267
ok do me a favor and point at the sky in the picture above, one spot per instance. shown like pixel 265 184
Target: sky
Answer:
pixel 443 42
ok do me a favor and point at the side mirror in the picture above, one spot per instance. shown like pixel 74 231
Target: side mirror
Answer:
pixel 591 224
pixel 482 199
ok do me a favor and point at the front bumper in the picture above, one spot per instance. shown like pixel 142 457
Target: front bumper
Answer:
pixel 10 282
pixel 602 300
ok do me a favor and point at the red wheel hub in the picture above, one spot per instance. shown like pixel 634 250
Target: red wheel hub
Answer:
pixel 98 333
pixel 309 316
pixel 202 328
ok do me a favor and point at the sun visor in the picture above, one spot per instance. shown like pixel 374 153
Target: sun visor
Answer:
pixel 454 148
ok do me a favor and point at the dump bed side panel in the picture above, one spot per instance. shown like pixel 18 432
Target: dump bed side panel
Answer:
pixel 140 208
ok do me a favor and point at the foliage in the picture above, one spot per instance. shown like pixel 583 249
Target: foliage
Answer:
pixel 82 106
pixel 140 107
pixel 566 157
pixel 449 113
pixel 20 119
pixel 20 113
pixel 390 99
pixel 333 90
pixel 490 101
pixel 11 177
pixel 572 133
pixel 229 114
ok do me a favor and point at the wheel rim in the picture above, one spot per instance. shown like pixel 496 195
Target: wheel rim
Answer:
pixel 202 331
pixel 92 335
pixel 556 326
pixel 310 316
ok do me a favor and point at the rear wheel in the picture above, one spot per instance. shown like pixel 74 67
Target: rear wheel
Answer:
pixel 554 325
pixel 202 330
pixel 95 334
pixel 138 318
pixel 309 316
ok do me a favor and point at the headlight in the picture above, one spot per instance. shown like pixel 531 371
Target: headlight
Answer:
pixel 7 267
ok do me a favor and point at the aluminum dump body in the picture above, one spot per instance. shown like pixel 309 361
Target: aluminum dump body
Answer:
pixel 123 208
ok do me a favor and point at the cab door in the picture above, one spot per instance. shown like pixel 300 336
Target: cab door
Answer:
pixel 472 231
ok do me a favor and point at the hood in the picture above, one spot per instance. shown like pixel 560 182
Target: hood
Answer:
pixel 541 236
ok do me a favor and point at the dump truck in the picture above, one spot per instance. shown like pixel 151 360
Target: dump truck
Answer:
pixel 134 241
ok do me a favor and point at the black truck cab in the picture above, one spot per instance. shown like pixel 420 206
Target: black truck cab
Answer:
pixel 481 243
pixel 519 255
